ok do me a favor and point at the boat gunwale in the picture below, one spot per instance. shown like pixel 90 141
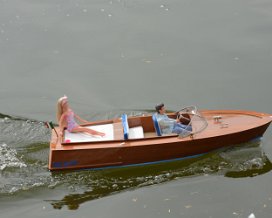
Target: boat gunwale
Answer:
pixel 239 112
pixel 163 137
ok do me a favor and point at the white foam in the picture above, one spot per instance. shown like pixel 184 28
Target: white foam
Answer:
pixel 8 158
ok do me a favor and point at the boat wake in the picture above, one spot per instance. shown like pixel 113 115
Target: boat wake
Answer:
pixel 24 147
pixel 9 159
pixel 23 154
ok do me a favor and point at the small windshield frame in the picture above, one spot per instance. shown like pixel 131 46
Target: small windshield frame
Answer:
pixel 197 122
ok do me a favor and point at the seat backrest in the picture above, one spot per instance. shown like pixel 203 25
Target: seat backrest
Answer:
pixel 156 125
pixel 125 126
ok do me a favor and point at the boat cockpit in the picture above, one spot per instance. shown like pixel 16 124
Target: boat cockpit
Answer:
pixel 139 127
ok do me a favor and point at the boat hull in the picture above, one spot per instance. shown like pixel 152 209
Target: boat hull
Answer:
pixel 156 149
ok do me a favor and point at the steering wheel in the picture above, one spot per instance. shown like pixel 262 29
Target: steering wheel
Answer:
pixel 184 118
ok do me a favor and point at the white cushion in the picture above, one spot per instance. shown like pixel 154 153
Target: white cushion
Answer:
pixel 85 137
pixel 136 132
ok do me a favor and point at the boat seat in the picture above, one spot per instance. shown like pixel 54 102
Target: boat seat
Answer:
pixel 125 126
pixel 156 125
pixel 131 133
pixel 136 132
pixel 70 137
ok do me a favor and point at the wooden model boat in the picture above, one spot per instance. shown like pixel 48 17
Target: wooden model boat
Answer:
pixel 137 140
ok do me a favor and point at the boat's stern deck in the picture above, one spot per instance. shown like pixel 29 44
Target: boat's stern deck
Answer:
pixel 108 129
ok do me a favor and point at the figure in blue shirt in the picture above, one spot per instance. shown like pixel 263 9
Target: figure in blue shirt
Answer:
pixel 169 125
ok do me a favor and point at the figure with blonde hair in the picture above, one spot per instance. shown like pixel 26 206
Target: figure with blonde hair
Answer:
pixel 66 119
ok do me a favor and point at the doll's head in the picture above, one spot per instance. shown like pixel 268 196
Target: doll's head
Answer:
pixel 60 105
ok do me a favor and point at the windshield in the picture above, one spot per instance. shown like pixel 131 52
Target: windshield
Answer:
pixel 197 122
